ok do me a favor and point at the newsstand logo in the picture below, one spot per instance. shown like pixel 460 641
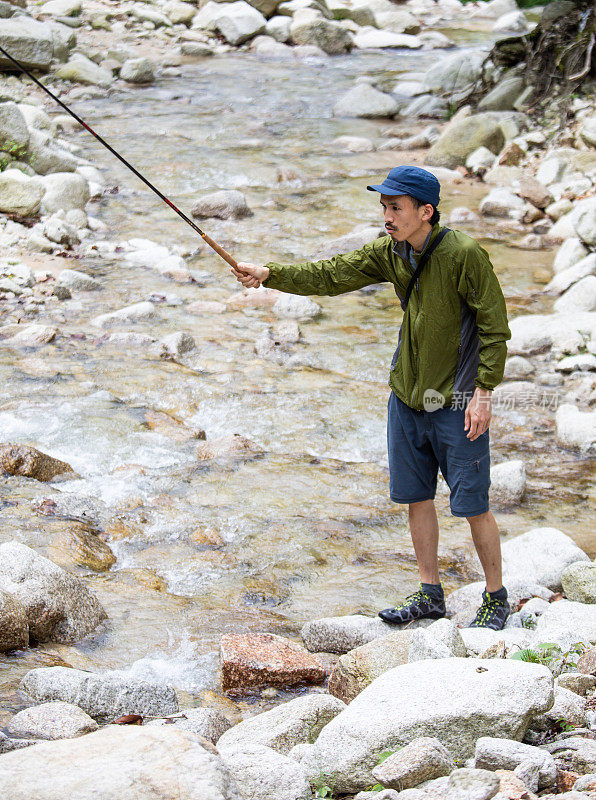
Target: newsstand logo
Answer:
pixel 432 400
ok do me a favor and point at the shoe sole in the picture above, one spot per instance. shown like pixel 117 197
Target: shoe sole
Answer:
pixel 404 622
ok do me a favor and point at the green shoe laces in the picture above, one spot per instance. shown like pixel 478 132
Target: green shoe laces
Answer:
pixel 486 610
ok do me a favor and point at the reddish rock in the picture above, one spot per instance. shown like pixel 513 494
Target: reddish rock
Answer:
pixel 512 787
pixel 264 659
pixel 587 663
pixel 511 155
pixel 251 298
pixel 533 191
pixel 20 459
pixel 565 780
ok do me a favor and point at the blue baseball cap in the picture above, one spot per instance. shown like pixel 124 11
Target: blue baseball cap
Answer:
pixel 415 181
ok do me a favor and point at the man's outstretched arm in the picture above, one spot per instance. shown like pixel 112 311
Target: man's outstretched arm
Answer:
pixel 342 273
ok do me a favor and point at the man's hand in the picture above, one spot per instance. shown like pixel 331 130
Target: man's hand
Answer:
pixel 250 275
pixel 478 413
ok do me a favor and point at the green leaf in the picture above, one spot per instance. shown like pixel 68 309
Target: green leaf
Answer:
pixel 384 756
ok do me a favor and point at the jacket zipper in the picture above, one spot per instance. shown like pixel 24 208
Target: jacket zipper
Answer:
pixel 415 338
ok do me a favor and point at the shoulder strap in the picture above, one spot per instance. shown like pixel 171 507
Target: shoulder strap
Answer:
pixel 423 259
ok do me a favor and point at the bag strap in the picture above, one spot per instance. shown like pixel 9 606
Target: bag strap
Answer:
pixel 421 264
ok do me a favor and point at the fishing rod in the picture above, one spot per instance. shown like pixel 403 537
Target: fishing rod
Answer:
pixel 212 244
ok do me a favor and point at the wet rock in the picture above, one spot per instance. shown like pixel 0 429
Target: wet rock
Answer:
pixel 206 722
pixel 330 36
pixel 540 555
pixel 138 312
pixel 291 306
pixel 461 214
pixel 267 47
pixel 27 40
pixel 21 459
pixel 455 73
pixel 422 759
pixel 103 697
pixel 80 69
pixel 137 70
pixel 496 753
pixel 579 582
pixel 130 339
pixel 14 626
pixel 20 194
pixel 372 38
pixel 508 482
pixel 441 639
pixel 569 253
pixel 514 21
pixel 235 446
pixel 464 137
pixel 55 720
pixel 222 205
pixel 78 281
pixel 341 634
pixel 363 100
pixel 579 297
pixel 57 230
pixel 447 698
pixel 62 8
pixel 358 667
pixel 85 549
pixel 265 659
pixel 175 345
pixel 261 772
pixel 172 762
pixel 64 190
pixel 504 95
pixel 59 606
pixel 500 202
pixel 426 106
pixel 351 241
pixel 171 427
pixel 285 726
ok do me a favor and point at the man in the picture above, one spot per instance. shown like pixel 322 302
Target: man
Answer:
pixel 450 356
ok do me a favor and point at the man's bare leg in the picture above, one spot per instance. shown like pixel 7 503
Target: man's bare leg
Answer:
pixel 485 534
pixel 424 528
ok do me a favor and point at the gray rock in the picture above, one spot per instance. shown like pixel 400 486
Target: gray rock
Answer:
pixel 496 753
pixel 227 204
pixel 463 137
pixel 426 105
pixel 138 312
pixel 569 253
pixel 137 70
pixel 423 759
pixel 63 191
pixel 576 682
pixel 30 335
pixel 570 615
pixel 576 428
pixel 55 720
pixel 238 21
pixel 398 20
pixel 101 696
pixel 279 28
pixel 363 100
pixel 59 606
pixel 442 639
pixel 14 625
pixel 283 727
pixel 588 131
pixel 290 7
pixel 471 784
pixel 292 306
pixel 517 367
pixel 447 698
pixel 586 782
pixel 80 69
pixel 261 772
pixel 579 297
pixel 574 754
pixel 341 634
pixel 528 773
pixel 27 40
pixel 504 95
pixel 175 345
pixel 371 38
pixel 20 194
pixel 78 281
pixel 568 706
pixel 564 279
pixel 482 158
pixel 45 156
pixel 119 761
pixel 14 133
pixel 579 582
pixel 56 229
pixel 206 722
pixel 540 555
pixel 330 36
pixel 508 482
pixel 585 220
pixel 144 13
pixel 514 21
pixel 456 72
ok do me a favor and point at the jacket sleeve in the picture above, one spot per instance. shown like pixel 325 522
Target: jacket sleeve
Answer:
pixel 480 288
pixel 342 273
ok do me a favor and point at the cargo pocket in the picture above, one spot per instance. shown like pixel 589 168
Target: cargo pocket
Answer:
pixel 469 495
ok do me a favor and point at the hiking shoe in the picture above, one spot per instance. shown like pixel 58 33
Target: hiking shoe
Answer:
pixel 491 614
pixel 416 606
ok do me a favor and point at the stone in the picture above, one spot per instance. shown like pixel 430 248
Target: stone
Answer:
pixel 119 761
pixel 179 13
pixel 461 214
pixel 138 312
pixel 175 345
pixel 528 773
pixel 227 204
pixel 570 615
pixel 530 189
pixel 363 100
pixel 55 720
pixel 330 36
pixel 27 40
pixel 540 555
pixel 228 447
pixel 441 639
pixel 291 306
pixel 62 8
pixel 286 725
pixel 448 698
pixel 517 367
pixel 514 21
pixel 579 582
pixel 354 144
pixel 398 20
pixel 564 279
pixel 78 281
pixel 80 69
pixel 264 659
pixel 341 634
pixel 455 73
pixel 367 38
pixel 508 482
pixel 21 459
pixel 574 753
pixel 103 697
pixel 504 94
pixel 137 70
pixel 569 253
pixel 14 133
pixel 585 783
pixel 29 335
pixel 239 21
pixel 475 784
pixel 587 662
pixel 14 625
pixel 59 606
pixel 261 772
pixel 206 722
pixel 64 191
pixel 423 759
pixel 498 753
pixel 145 14
pixel 20 194
pixel 579 297
pixel 426 105
pixel 559 208
pixel 500 202
pixel 588 131
pixel 463 137
pixel 568 706
pixel 279 28
pixel 481 158
pixel 585 221
pixel 576 682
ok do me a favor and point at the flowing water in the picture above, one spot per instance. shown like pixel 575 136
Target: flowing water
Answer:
pixel 306 529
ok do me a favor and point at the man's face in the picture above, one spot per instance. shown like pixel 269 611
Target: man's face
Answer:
pixel 402 218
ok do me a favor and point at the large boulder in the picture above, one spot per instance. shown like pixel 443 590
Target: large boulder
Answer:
pixel 59 606
pixel 456 72
pixel 21 459
pixel 297 721
pixel 328 35
pixel 117 762
pixel 540 555
pixel 504 95
pixel 27 40
pixel 103 697
pixel 579 297
pixel 397 20
pixel 80 69
pixel 341 634
pixel 20 194
pixel 64 191
pixel 237 22
pixel 14 624
pixel 464 136
pixel 263 773
pixel 363 100
pixel 456 700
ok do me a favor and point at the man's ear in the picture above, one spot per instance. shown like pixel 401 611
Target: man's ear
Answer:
pixel 427 212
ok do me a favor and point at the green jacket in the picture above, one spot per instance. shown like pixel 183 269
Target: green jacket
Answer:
pixel 454 330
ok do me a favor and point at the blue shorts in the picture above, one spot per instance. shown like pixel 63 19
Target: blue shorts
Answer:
pixel 421 442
